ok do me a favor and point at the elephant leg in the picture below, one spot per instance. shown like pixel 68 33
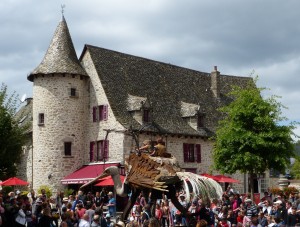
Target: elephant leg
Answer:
pixel 172 195
pixel 155 194
pixel 129 205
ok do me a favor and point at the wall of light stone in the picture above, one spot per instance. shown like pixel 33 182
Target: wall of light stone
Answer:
pixel 65 120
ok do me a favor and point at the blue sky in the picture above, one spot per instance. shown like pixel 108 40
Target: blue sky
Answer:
pixel 242 38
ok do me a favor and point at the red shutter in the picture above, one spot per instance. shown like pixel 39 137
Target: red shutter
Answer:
pixel 94 113
pixel 105 112
pixel 105 154
pixel 92 149
pixel 185 152
pixel 198 152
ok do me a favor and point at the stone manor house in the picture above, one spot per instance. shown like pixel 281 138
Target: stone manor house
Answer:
pixel 85 112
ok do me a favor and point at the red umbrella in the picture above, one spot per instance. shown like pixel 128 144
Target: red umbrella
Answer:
pixel 225 179
pixel 208 176
pixel 108 181
pixel 14 181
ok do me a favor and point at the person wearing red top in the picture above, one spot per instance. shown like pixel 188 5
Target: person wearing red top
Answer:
pixel 240 217
pixel 80 211
pixel 158 213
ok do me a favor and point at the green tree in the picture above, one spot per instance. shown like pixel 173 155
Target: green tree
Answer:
pixel 12 136
pixel 251 137
pixel 295 169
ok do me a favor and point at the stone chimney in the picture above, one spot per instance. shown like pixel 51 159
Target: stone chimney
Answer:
pixel 215 82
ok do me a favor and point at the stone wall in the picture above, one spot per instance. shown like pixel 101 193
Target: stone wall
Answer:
pixel 64 121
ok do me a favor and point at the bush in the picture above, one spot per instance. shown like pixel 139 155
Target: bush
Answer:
pixel 47 189
pixel 285 191
pixel 68 191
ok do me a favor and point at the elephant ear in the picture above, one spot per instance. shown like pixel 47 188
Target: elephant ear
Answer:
pixel 152 172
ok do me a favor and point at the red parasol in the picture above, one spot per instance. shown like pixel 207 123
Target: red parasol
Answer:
pixel 225 179
pixel 13 181
pixel 108 181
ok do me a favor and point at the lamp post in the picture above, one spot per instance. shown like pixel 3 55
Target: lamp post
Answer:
pixel 32 160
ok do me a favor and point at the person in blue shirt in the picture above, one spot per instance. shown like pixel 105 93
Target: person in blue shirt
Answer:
pixel 111 204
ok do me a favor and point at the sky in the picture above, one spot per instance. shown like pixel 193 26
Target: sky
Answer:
pixel 242 38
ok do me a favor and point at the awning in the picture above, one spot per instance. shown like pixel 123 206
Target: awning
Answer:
pixel 86 173
pixel 108 181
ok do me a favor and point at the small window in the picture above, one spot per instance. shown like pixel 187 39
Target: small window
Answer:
pixel 73 92
pixel 41 120
pixel 146 115
pixel 200 121
pixel 68 148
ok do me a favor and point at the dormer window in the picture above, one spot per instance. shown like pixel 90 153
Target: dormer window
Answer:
pixel 193 115
pixel 139 108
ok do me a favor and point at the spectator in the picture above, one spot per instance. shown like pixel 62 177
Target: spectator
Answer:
pixel 111 204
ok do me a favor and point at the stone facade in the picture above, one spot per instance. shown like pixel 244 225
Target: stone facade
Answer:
pixel 64 121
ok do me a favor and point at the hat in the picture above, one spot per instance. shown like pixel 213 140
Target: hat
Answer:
pixel 248 201
pixel 65 199
pixel 110 193
pixel 107 216
pixel 120 223
pixel 278 202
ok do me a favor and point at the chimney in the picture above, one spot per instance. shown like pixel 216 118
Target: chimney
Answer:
pixel 215 82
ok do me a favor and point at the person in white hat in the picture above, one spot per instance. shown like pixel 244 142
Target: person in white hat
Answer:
pixel 251 209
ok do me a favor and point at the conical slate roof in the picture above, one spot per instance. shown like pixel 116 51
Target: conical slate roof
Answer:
pixel 61 56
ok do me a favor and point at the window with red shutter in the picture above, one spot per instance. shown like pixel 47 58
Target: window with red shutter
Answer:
pixel 95 114
pixel 103 150
pixel 198 152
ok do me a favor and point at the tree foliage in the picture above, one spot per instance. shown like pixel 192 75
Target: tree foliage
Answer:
pixel 295 169
pixel 12 136
pixel 251 138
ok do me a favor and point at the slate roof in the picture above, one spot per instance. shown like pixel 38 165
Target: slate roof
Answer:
pixel 164 85
pixel 24 115
pixel 60 56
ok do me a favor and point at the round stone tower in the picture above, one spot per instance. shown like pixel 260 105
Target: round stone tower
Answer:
pixel 60 107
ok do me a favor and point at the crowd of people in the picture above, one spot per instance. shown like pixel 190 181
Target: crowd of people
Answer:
pixel 99 209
